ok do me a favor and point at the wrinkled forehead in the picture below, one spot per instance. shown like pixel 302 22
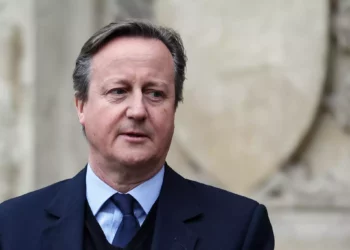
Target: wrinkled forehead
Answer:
pixel 138 49
pixel 134 55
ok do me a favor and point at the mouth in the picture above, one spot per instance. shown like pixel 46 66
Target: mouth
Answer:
pixel 134 136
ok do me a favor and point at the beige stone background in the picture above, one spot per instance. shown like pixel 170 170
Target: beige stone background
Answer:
pixel 266 111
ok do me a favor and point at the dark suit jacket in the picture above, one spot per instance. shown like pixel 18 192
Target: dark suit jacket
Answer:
pixel 190 216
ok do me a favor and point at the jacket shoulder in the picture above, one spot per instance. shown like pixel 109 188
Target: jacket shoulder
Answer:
pixel 213 196
pixel 235 219
pixel 23 204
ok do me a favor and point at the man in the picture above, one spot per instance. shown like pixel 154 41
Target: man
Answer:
pixel 128 82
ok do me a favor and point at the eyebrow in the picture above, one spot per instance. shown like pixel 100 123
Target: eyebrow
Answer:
pixel 112 82
pixel 125 82
pixel 156 83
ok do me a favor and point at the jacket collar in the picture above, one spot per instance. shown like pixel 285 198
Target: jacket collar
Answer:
pixel 176 208
pixel 66 216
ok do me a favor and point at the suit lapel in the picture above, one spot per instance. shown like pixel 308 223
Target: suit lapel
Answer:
pixel 65 215
pixel 177 205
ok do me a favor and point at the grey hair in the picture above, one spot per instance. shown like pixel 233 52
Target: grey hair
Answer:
pixel 132 28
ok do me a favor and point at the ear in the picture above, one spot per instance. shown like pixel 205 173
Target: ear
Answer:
pixel 79 106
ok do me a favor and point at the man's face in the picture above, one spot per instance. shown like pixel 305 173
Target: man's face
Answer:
pixel 129 114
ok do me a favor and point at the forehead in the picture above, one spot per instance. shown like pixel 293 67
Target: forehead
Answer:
pixel 135 49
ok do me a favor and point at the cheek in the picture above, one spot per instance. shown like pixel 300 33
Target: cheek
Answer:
pixel 103 120
pixel 164 120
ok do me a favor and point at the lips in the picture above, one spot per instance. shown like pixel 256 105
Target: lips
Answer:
pixel 135 134
pixel 134 137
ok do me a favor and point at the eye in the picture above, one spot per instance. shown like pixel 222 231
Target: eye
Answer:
pixel 117 91
pixel 156 94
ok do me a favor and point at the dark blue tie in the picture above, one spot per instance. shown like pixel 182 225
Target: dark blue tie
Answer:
pixel 129 225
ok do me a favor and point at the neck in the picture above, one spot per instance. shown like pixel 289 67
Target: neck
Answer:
pixel 123 178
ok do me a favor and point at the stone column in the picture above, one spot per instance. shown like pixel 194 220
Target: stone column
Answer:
pixel 16 97
pixel 61 29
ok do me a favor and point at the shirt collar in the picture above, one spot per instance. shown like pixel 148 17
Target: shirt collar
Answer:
pixel 98 192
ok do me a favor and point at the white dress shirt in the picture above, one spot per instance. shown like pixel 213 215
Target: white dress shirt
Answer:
pixel 107 214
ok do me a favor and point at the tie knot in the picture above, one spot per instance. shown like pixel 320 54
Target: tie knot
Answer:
pixel 125 202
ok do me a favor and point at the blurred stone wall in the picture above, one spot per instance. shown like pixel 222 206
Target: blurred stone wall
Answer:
pixel 309 196
pixel 17 41
pixel 266 110
pixel 255 77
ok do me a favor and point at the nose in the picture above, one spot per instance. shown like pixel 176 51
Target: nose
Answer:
pixel 136 108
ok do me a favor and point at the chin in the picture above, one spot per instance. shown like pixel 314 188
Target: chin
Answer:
pixel 136 160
